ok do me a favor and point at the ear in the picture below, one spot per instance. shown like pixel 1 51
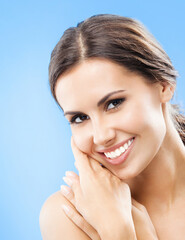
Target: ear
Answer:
pixel 166 92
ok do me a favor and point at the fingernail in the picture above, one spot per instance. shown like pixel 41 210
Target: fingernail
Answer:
pixel 64 190
pixel 66 209
pixel 68 181
pixel 70 174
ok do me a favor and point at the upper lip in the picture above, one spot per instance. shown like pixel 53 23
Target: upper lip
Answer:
pixel 115 146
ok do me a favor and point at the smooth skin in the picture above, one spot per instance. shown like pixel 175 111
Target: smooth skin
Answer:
pixel 153 172
pixel 113 202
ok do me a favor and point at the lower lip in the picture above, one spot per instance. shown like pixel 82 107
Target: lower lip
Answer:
pixel 122 158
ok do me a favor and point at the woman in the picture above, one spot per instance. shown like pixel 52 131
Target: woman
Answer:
pixel 114 83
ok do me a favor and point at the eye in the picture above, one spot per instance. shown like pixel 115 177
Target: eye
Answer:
pixel 115 103
pixel 79 118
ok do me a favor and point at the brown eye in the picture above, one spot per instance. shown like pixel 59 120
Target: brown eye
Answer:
pixel 79 118
pixel 114 103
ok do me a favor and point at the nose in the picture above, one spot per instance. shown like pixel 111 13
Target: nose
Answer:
pixel 103 134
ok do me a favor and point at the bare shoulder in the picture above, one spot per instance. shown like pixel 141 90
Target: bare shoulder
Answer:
pixel 54 224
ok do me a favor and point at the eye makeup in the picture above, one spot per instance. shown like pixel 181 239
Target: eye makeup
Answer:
pixel 80 117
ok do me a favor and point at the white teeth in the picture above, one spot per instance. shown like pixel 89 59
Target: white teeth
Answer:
pixel 122 149
pixel 108 155
pixel 113 154
pixel 118 151
pixel 126 146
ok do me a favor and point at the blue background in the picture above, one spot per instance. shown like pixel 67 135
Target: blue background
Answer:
pixel 34 136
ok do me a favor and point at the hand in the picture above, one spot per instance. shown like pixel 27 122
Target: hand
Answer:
pixel 143 224
pixel 102 199
pixel 76 217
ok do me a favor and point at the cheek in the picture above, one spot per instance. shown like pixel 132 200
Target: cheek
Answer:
pixel 140 119
pixel 132 120
pixel 82 139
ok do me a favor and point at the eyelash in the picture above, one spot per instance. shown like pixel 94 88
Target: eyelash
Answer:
pixel 73 119
pixel 119 100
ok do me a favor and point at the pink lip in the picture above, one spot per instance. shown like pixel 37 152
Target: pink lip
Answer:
pixel 122 158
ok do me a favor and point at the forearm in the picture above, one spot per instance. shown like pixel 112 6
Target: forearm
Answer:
pixel 122 236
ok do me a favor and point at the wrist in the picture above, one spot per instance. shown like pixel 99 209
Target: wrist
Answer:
pixel 117 232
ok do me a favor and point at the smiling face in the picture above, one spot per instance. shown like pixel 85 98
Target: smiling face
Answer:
pixel 116 117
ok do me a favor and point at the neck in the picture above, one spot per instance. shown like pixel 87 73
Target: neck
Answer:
pixel 162 182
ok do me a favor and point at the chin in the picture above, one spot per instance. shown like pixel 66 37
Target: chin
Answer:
pixel 128 173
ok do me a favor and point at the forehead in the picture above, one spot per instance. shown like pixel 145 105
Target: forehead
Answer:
pixel 91 79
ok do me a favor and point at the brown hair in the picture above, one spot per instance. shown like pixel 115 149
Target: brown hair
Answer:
pixel 122 40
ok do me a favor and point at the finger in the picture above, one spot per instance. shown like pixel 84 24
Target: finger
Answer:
pixel 82 160
pixel 80 222
pixel 99 169
pixel 68 193
pixel 72 174
pixel 92 162
pixel 73 180
pixel 138 205
pixel 95 165
pixel 73 183
pixel 135 212
pixel 143 223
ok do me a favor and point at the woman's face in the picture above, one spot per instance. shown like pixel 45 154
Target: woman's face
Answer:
pixel 116 117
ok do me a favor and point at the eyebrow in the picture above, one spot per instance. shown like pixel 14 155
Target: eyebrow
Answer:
pixel 107 97
pixel 100 102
